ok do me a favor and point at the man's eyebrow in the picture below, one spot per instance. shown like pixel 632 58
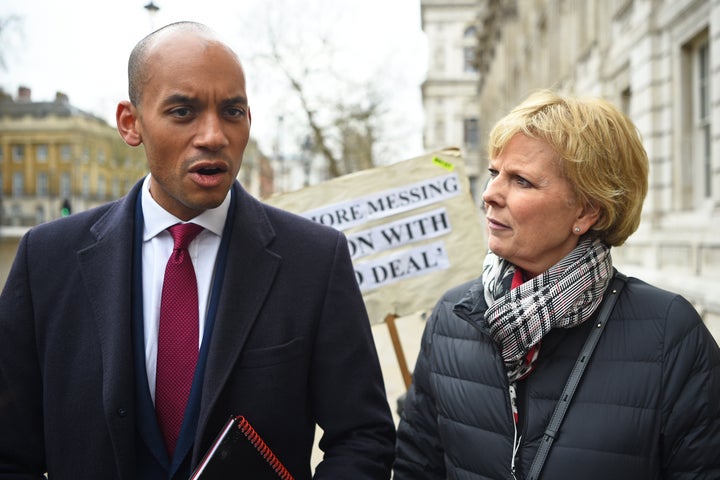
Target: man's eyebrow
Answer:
pixel 238 99
pixel 185 99
pixel 178 98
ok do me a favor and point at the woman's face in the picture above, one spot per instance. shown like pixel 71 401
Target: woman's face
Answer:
pixel 532 213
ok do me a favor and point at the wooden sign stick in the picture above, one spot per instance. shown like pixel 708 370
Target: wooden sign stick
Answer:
pixel 390 321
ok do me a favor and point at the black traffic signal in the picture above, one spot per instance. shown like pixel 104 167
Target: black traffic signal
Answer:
pixel 65 209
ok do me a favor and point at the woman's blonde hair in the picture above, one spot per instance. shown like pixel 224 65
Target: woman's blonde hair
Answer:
pixel 600 153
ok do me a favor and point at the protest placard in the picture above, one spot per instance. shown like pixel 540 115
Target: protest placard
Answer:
pixel 413 229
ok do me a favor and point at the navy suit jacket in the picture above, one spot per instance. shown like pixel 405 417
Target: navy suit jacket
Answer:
pixel 291 347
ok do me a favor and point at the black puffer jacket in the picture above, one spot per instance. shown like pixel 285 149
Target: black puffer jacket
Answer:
pixel 648 406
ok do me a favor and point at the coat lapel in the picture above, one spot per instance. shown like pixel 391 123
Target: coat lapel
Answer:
pixel 251 269
pixel 106 268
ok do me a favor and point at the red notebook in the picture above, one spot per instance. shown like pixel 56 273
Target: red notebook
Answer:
pixel 239 452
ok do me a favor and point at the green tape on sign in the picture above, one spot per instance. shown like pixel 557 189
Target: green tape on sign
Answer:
pixel 442 163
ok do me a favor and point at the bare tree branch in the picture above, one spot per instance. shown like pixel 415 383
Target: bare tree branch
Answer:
pixel 342 131
pixel 318 134
pixel 7 24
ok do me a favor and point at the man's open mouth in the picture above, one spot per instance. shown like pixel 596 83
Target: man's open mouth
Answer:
pixel 209 171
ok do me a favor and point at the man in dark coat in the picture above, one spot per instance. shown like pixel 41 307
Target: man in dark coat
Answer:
pixel 284 338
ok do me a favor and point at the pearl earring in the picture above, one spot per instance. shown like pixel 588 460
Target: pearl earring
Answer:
pixel 577 229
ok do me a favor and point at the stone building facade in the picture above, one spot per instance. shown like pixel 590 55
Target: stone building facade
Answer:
pixel 450 91
pixel 659 60
pixel 54 160
pixel 53 155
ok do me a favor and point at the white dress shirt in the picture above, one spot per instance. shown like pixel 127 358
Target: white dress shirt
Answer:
pixel 156 249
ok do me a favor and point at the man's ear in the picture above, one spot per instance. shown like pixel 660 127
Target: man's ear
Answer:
pixel 126 117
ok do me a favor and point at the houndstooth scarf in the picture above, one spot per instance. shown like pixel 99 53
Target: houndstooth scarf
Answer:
pixel 562 297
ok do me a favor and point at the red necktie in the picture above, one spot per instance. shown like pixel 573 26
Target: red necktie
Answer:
pixel 178 335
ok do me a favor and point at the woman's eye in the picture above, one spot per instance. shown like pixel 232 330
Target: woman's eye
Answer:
pixel 522 182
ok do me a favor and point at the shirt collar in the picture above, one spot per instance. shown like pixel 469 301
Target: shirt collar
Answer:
pixel 157 219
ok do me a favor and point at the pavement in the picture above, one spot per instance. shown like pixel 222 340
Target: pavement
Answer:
pixel 409 331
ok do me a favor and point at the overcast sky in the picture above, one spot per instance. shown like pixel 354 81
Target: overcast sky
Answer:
pixel 80 48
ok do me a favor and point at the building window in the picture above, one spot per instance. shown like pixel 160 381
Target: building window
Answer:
pixel 438 58
pixel 116 193
pixel 18 153
pixel 65 185
pixel 439 131
pixel 41 153
pixel 473 184
pixel 101 156
pixel 626 100
pixel 469 65
pixel 42 184
pixel 85 186
pixel 696 158
pixel 16 211
pixel 470 50
pixel 101 187
pixel 39 214
pixel 702 118
pixel 18 184
pixel 65 153
pixel 471 137
pixel 86 155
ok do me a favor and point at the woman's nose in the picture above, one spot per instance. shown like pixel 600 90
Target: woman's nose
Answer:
pixel 490 193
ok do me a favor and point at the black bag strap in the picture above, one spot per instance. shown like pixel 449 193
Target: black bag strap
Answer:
pixel 575 375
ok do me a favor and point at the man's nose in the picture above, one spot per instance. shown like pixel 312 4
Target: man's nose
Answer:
pixel 210 133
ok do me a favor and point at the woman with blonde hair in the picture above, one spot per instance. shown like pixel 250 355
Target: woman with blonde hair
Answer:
pixel 553 364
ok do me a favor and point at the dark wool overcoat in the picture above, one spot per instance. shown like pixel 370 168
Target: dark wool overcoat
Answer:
pixel 291 347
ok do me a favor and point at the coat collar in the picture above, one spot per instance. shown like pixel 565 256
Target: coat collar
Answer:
pixel 471 306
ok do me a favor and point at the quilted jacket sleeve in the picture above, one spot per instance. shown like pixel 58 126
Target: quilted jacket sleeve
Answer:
pixel 419 453
pixel 691 410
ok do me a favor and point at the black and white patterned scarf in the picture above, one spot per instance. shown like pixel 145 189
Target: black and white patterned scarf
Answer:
pixel 562 297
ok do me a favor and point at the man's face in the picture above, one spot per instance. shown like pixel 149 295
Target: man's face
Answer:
pixel 193 120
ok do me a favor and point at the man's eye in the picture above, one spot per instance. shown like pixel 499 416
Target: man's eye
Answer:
pixel 236 112
pixel 181 112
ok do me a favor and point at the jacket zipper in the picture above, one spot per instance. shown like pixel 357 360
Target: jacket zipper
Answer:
pixel 516 447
